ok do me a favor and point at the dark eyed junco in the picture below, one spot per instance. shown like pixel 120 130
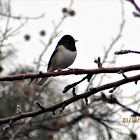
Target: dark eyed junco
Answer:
pixel 62 57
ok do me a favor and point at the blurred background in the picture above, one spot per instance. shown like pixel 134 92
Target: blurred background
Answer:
pixel 29 32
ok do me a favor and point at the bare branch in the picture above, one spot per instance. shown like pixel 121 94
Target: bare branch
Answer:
pixel 71 71
pixel 75 84
pixel 126 52
pixel 136 14
pixel 135 5
pixel 98 61
pixel 71 100
pixel 113 100
pixel 21 17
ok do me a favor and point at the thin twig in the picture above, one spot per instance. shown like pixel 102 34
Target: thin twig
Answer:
pixel 22 17
pixel 126 52
pixel 112 44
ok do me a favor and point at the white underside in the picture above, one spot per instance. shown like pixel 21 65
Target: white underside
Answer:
pixel 63 60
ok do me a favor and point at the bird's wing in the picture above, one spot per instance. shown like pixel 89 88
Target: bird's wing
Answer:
pixel 55 51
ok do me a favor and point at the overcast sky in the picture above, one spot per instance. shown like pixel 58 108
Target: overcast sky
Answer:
pixel 96 23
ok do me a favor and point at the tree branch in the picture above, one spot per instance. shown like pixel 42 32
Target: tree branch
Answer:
pixel 136 7
pixel 72 71
pixel 113 100
pixel 126 52
pixel 65 103
pixel 21 17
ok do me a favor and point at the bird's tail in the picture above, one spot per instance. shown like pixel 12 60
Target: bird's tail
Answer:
pixel 42 81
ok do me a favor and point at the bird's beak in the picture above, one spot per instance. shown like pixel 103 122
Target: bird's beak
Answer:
pixel 76 40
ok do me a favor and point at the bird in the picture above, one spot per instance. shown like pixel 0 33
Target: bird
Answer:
pixel 63 56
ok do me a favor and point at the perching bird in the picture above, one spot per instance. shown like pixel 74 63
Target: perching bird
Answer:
pixel 62 57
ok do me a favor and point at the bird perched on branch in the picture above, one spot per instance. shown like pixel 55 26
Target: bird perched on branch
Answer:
pixel 62 57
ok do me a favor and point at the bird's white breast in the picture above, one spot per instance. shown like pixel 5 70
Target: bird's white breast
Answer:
pixel 64 58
